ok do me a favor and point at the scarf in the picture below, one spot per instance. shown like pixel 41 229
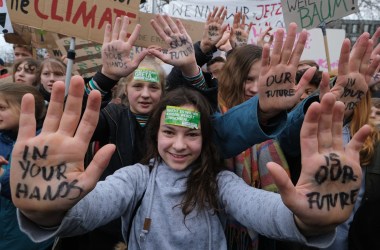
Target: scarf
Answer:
pixel 250 165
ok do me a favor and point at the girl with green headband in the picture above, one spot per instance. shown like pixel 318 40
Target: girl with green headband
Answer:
pixel 186 195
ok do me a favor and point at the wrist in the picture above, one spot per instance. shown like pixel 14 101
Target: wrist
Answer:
pixel 111 76
pixel 311 230
pixel 190 70
pixel 205 47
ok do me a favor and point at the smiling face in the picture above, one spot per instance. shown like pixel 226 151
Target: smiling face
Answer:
pixel 178 146
pixel 9 115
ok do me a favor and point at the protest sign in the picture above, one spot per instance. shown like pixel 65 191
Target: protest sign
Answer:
pixel 149 37
pixel 5 22
pixel 315 51
pixel 310 14
pixel 87 55
pixel 261 13
pixel 76 18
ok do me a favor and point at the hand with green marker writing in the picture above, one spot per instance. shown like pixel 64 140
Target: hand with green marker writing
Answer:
pixel 47 173
pixel 180 51
pixel 116 50
pixel 277 85
pixel 330 179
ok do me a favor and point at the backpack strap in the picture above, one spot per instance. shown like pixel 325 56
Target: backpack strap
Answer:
pixel 138 204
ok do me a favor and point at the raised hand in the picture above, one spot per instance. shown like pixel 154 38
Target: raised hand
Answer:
pixel 277 85
pixel 116 50
pixel 224 43
pixel 240 33
pixel 262 39
pixel 47 171
pixel 354 73
pixel 330 179
pixel 180 52
pixel 214 29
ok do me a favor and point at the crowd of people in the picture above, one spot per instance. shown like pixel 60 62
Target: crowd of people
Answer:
pixel 256 149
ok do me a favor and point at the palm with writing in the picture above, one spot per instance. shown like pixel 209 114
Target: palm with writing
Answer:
pixel 180 52
pixel 277 86
pixel 354 73
pixel 331 174
pixel 240 31
pixel 47 171
pixel 116 50
pixel 214 29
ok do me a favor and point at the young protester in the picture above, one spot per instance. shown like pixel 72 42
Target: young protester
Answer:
pixel 10 104
pixel 21 51
pixel 215 66
pixel 186 192
pixel 27 70
pixel 52 70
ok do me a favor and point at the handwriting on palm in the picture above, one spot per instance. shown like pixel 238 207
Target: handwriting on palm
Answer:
pixel 47 170
pixel 240 32
pixel 354 72
pixel 180 49
pixel 214 27
pixel 116 50
pixel 277 86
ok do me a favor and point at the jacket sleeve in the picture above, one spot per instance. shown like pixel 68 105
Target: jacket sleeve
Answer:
pixel 289 139
pixel 110 199
pixel 263 211
pixel 239 128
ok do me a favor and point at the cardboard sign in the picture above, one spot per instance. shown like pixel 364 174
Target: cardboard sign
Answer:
pixel 5 22
pixel 87 55
pixel 75 18
pixel 309 14
pixel 315 50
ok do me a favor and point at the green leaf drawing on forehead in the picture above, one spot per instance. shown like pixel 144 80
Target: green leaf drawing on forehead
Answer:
pixel 146 75
pixel 182 117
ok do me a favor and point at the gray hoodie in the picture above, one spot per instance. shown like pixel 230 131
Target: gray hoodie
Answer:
pixel 117 196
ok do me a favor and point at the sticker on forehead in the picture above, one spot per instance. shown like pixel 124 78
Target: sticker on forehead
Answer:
pixel 146 75
pixel 182 117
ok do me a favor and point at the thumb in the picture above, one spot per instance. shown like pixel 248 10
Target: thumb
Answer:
pixel 98 165
pixel 283 183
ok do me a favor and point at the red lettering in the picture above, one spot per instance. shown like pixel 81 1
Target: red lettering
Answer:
pixel 54 15
pixel 69 10
pixel 279 10
pixel 119 12
pixel 38 12
pixel 106 18
pixel 86 18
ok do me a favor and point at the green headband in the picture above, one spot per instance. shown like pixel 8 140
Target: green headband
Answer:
pixel 182 117
pixel 146 75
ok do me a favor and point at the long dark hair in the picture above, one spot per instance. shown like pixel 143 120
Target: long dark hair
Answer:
pixel 202 187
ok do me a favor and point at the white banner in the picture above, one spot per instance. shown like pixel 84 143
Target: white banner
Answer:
pixel 5 21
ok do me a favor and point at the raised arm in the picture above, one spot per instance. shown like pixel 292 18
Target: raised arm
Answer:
pixel 354 73
pixel 47 172
pixel 330 179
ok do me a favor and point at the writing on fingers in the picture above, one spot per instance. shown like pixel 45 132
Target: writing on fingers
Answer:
pixel 355 95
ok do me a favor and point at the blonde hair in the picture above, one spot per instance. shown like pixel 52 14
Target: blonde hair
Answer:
pixel 150 63
pixel 360 117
